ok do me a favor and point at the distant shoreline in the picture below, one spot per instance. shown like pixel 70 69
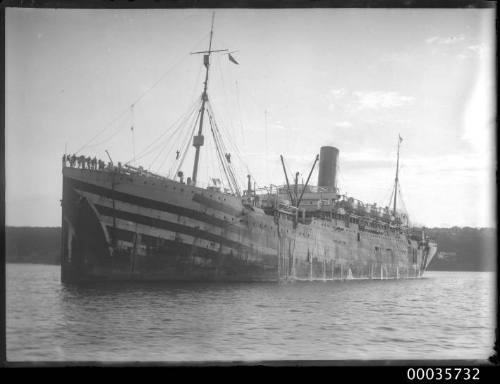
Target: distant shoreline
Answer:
pixel 459 249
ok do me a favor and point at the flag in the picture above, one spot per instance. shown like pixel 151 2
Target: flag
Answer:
pixel 400 139
pixel 231 58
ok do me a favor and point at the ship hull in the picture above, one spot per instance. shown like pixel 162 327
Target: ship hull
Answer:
pixel 118 226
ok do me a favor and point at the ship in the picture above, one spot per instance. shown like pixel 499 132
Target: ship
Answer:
pixel 122 222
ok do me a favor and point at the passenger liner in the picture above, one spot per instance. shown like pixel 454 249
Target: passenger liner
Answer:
pixel 121 222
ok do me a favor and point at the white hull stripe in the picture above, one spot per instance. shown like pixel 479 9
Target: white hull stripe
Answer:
pixel 168 220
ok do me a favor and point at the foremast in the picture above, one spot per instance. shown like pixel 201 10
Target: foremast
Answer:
pixel 198 140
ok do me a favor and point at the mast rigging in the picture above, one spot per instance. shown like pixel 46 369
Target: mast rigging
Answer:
pixel 396 181
pixel 198 140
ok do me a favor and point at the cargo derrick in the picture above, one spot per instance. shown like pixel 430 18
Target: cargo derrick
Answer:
pixel 325 203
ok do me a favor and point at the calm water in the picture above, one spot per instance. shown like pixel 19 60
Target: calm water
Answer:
pixel 447 315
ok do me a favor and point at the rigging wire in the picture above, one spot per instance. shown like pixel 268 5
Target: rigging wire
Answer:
pixel 232 143
pixel 186 145
pixel 218 169
pixel 108 138
pixel 386 201
pixel 248 92
pixel 227 133
pixel 240 117
pixel 196 84
pixel 220 156
pixel 221 171
pixel 218 151
pixel 164 144
pixel 222 151
pixel 157 143
pixel 401 200
pixel 224 93
pixel 140 97
pixel 212 172
pixel 228 144
pixel 133 138
pixel 390 198
pixel 218 165
pixel 168 150
pixel 234 147
pixel 221 146
pixel 230 71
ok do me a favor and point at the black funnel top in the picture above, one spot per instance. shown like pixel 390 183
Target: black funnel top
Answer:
pixel 328 157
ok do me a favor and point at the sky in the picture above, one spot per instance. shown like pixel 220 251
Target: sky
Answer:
pixel 78 80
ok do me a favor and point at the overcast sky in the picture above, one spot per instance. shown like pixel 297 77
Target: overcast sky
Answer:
pixel 352 78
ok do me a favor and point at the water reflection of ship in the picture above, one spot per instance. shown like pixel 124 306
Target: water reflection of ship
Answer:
pixel 121 222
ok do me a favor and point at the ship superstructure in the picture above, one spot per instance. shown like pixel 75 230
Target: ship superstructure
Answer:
pixel 121 222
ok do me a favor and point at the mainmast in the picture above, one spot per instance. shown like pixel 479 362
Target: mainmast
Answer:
pixel 396 179
pixel 198 140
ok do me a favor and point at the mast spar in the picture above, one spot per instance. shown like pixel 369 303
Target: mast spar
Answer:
pixel 396 180
pixel 198 140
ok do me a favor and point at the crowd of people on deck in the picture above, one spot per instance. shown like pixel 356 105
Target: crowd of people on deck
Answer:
pixel 84 162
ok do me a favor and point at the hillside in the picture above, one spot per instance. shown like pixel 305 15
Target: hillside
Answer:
pixel 33 245
pixel 460 249
pixel 464 249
